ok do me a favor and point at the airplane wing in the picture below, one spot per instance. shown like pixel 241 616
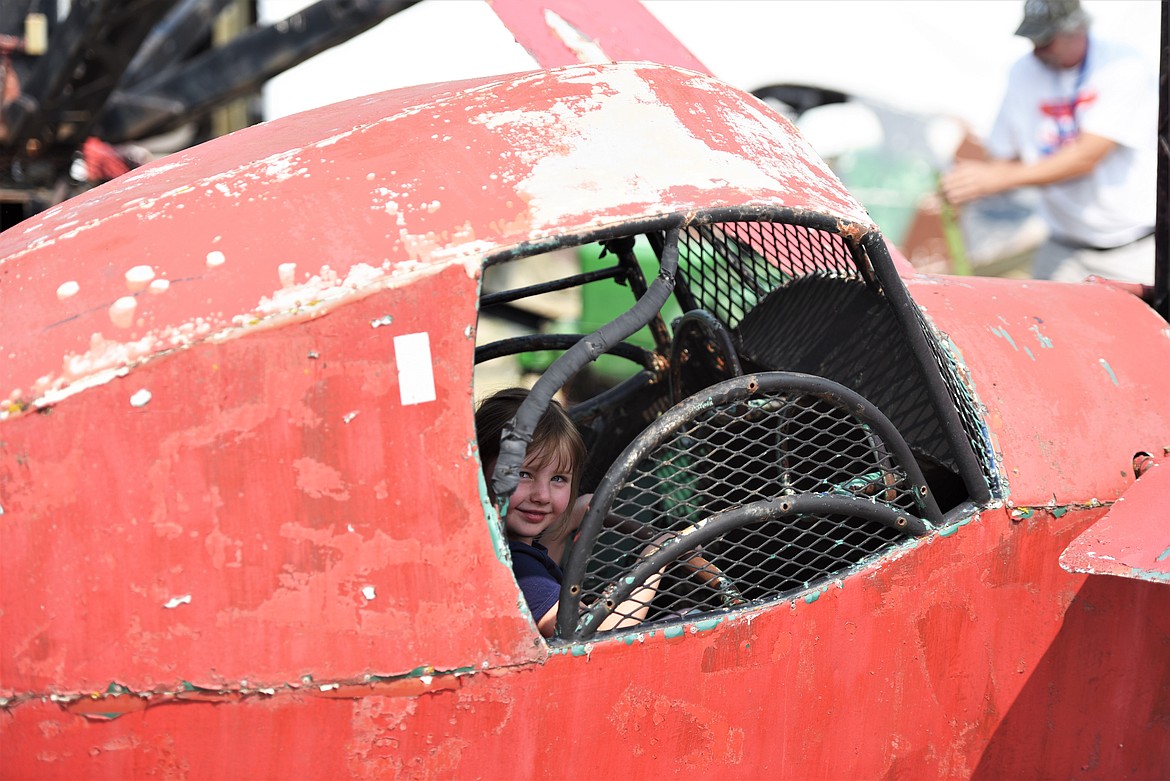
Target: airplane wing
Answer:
pixel 1132 540
pixel 566 32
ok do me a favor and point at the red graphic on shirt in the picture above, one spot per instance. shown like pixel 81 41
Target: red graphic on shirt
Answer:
pixel 1061 127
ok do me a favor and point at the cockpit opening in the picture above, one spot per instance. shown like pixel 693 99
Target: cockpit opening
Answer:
pixel 762 405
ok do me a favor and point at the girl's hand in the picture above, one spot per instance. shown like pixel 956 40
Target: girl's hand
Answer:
pixel 656 544
pixel 580 507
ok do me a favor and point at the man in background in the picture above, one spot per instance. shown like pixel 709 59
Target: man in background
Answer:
pixel 1079 122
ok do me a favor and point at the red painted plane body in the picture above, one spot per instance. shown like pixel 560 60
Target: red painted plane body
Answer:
pixel 245 529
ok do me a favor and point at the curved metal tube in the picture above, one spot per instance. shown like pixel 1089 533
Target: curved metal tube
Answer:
pixel 518 433
pixel 707 324
pixel 734 390
pixel 719 524
pixel 647 359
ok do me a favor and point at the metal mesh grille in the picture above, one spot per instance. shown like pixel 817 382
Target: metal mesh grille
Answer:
pixel 963 397
pixel 744 452
pixel 778 556
pixel 734 453
pixel 729 267
pixel 843 330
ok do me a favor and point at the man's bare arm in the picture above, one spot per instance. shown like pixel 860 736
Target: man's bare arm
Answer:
pixel 972 179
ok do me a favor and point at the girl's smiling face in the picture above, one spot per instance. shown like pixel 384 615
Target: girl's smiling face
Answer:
pixel 543 495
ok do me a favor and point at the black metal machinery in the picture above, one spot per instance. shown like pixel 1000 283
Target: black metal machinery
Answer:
pixel 125 70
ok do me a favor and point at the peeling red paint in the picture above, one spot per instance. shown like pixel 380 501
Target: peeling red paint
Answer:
pixel 991 704
pixel 168 214
pixel 1034 350
pixel 1132 540
pixel 566 32
pixel 274 542
pixel 103 536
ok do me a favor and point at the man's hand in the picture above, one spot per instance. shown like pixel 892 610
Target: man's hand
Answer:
pixel 970 180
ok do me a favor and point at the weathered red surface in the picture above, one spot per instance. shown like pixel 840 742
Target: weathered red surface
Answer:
pixel 1133 539
pixel 973 655
pixel 1073 378
pixel 248 511
pixel 273 511
pixel 371 191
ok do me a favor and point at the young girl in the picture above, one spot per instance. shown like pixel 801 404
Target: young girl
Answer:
pixel 545 506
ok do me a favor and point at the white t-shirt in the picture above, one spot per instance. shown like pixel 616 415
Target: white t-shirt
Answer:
pixel 1116 96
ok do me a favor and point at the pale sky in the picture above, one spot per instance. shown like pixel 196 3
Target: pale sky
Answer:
pixel 946 56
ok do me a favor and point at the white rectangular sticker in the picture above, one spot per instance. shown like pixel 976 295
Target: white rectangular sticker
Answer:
pixel 416 375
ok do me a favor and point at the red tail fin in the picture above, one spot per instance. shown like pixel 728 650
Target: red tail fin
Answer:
pixel 565 32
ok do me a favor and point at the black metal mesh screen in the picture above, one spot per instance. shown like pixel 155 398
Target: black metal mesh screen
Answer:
pixel 964 399
pixel 747 449
pixel 845 331
pixel 797 300
pixel 729 267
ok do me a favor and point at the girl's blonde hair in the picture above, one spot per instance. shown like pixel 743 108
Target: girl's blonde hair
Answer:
pixel 556 440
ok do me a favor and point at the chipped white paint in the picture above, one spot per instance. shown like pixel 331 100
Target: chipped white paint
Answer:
pixel 140 398
pixel 381 321
pixel 564 157
pixel 122 311
pixel 68 290
pixel 319 289
pixel 618 105
pixel 152 171
pixel 174 602
pixel 369 593
pixel 215 258
pixel 263 172
pixel 287 273
pixel 59 391
pixel 160 286
pixel 584 49
pixel 139 277
pixel 347 417
pixel 107 359
pixel 416 374
pixel 280 167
